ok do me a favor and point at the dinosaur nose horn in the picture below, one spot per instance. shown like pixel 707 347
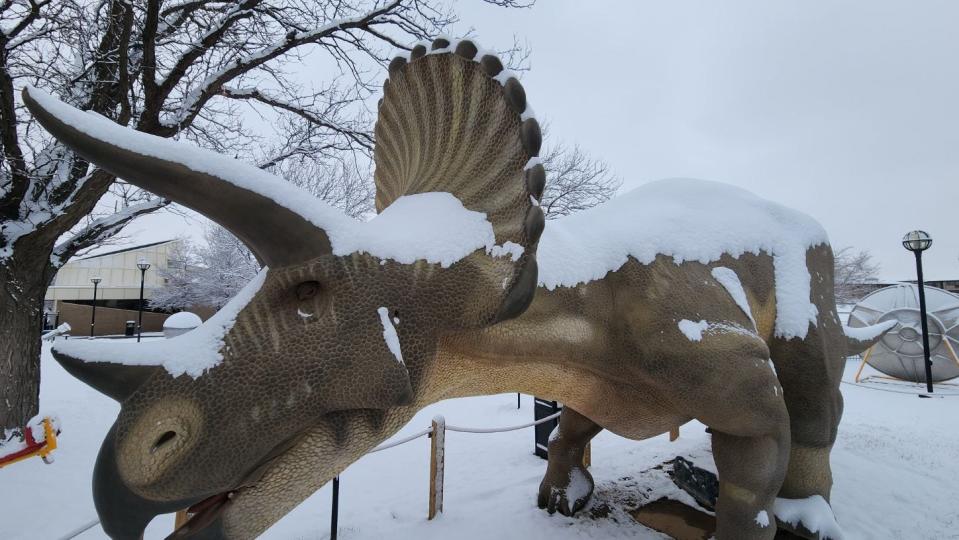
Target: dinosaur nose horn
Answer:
pixel 115 380
pixel 222 189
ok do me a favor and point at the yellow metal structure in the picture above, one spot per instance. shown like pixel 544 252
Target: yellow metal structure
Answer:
pixel 49 445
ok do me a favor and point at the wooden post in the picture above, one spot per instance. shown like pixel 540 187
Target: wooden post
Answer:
pixel 865 358
pixel 180 518
pixel 674 434
pixel 437 452
pixel 588 455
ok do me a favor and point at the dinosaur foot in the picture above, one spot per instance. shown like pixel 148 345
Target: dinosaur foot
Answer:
pixel 565 489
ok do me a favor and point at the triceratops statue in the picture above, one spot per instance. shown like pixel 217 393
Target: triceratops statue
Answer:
pixel 663 306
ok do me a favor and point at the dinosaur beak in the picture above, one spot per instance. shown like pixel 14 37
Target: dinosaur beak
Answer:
pixel 123 514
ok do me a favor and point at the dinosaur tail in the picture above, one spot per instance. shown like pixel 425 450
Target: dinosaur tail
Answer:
pixel 860 339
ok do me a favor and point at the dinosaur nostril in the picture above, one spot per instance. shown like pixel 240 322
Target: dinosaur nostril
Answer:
pixel 162 440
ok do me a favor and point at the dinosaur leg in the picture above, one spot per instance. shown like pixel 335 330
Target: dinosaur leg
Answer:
pixel 745 411
pixel 809 371
pixel 567 485
pixel 750 471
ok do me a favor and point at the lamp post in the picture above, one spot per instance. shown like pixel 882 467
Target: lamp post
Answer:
pixel 917 242
pixel 93 314
pixel 143 265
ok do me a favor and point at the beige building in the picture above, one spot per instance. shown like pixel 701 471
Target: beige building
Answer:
pixel 120 277
pixel 70 297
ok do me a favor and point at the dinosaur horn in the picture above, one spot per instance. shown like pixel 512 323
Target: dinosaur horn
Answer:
pixel 237 196
pixel 117 381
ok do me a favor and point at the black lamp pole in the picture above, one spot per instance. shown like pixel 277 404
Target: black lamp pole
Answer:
pixel 143 266
pixel 93 314
pixel 917 242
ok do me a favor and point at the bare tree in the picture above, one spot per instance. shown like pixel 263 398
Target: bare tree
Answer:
pixel 575 181
pixel 855 272
pixel 211 273
pixel 175 68
pixel 208 274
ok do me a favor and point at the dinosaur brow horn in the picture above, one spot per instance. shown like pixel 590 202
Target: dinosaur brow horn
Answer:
pixel 277 235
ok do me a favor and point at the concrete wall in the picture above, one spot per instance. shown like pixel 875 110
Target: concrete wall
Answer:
pixel 109 321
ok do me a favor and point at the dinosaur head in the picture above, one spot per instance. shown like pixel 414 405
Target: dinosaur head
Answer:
pixel 313 359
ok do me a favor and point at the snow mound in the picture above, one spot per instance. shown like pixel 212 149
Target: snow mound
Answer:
pixel 191 353
pixel 434 227
pixel 688 220
pixel 813 513
pixel 183 319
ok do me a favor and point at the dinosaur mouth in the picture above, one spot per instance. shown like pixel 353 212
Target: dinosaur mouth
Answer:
pixel 202 514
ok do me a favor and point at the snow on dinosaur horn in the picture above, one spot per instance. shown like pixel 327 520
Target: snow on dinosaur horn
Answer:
pixel 454 119
pixel 239 197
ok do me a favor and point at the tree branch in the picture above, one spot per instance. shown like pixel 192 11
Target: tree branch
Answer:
pixel 363 139
pixel 98 230
pixel 212 85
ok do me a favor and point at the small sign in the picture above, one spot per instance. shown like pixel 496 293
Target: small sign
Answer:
pixel 542 409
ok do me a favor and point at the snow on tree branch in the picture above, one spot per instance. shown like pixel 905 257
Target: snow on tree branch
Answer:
pixel 96 231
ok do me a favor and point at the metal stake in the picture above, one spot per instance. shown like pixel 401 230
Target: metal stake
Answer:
pixel 334 515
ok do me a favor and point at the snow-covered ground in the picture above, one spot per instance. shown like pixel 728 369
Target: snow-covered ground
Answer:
pixel 896 468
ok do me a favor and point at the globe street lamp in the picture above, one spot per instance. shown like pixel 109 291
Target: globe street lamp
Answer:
pixel 93 314
pixel 143 265
pixel 917 242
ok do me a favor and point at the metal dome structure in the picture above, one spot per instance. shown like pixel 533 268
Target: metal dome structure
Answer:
pixel 899 353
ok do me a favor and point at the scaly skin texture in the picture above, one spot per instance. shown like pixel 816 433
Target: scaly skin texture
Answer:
pixel 308 384
pixel 611 351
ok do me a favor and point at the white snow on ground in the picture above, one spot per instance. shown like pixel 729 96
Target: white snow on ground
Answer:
pixel 693 330
pixel 192 353
pixel 434 227
pixel 389 334
pixel 688 220
pixel 895 465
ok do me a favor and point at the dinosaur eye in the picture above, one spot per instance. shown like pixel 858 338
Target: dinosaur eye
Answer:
pixel 307 290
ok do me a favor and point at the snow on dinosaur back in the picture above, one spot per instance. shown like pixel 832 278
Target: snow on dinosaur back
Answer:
pixel 434 227
pixel 688 220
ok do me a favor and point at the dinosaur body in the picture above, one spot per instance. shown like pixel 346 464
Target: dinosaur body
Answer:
pixel 353 327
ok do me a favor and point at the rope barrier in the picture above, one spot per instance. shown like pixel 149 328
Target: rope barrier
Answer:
pixel 404 440
pixel 80 530
pixel 502 430
pixel 914 393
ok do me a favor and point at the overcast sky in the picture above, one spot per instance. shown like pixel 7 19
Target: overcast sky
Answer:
pixel 848 111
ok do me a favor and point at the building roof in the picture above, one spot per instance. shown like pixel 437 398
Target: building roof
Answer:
pixel 131 248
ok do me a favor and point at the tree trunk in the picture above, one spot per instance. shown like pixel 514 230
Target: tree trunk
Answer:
pixel 24 278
